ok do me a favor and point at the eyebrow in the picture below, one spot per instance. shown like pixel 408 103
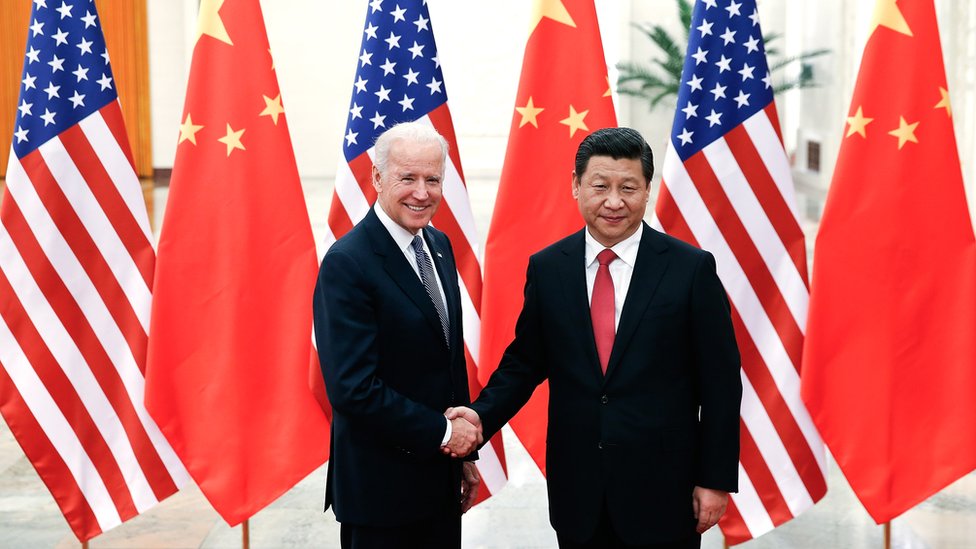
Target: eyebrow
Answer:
pixel 601 175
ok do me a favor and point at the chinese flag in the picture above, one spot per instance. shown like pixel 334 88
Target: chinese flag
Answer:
pixel 227 374
pixel 563 95
pixel 889 366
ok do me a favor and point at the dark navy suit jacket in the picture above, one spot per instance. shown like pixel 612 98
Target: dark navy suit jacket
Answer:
pixel 389 375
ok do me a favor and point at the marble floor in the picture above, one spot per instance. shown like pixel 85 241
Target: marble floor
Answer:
pixel 514 518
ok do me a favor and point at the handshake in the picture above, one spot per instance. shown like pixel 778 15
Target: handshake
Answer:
pixel 466 433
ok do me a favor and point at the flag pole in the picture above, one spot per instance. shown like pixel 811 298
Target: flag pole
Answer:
pixel 84 545
pixel 887 535
pixel 246 534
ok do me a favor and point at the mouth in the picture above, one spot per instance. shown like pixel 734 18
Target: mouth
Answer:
pixel 613 219
pixel 413 208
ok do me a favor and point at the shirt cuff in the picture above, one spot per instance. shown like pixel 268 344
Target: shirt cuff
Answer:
pixel 447 433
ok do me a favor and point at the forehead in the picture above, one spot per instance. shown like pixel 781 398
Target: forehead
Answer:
pixel 413 153
pixel 606 166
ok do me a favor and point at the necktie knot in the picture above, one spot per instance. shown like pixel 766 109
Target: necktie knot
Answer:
pixel 606 257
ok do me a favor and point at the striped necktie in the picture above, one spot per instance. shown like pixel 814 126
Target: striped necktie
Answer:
pixel 430 284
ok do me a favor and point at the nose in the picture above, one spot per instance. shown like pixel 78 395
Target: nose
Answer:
pixel 421 192
pixel 614 200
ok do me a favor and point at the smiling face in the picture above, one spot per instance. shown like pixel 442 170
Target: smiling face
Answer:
pixel 410 188
pixel 612 196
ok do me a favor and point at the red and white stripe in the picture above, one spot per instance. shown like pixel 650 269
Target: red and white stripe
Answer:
pixel 354 194
pixel 76 270
pixel 735 199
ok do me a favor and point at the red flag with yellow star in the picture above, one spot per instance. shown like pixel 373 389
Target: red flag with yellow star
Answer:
pixel 889 365
pixel 563 95
pixel 227 374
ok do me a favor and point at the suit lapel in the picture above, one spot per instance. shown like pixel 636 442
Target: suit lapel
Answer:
pixel 573 276
pixel 400 271
pixel 652 262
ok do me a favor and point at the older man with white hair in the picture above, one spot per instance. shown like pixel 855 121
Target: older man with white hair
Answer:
pixel 388 325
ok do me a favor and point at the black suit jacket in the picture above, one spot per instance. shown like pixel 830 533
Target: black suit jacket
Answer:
pixel 664 419
pixel 390 376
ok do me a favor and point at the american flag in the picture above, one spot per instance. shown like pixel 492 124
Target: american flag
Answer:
pixel 76 272
pixel 727 188
pixel 399 79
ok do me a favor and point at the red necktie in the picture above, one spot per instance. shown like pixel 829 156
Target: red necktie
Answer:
pixel 602 308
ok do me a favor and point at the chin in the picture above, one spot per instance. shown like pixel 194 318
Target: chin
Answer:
pixel 419 224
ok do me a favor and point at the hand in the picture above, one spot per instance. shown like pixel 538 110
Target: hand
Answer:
pixel 466 413
pixel 469 417
pixel 470 481
pixel 464 438
pixel 709 506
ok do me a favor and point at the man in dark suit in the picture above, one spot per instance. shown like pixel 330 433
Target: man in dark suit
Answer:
pixel 632 329
pixel 388 326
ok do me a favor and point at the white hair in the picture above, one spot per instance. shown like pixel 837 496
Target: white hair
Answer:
pixel 405 131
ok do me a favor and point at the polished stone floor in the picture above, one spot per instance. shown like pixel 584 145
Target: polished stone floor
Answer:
pixel 514 518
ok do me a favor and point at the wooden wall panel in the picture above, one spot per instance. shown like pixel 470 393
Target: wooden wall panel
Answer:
pixel 124 25
pixel 127 39
pixel 14 19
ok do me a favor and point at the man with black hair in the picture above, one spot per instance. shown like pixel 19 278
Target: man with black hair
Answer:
pixel 632 328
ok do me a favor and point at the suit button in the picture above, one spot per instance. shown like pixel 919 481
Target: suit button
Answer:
pixel 604 399
pixel 599 445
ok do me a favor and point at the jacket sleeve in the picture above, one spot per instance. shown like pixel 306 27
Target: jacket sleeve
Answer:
pixel 522 366
pixel 720 386
pixel 347 339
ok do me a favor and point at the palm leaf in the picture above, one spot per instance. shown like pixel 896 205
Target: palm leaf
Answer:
pixel 670 91
pixel 671 66
pixel 635 72
pixel 684 15
pixel 662 39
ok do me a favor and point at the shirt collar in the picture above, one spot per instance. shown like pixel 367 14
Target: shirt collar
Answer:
pixel 626 249
pixel 401 236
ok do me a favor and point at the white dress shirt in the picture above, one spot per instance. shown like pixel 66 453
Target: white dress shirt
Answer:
pixel 621 269
pixel 403 239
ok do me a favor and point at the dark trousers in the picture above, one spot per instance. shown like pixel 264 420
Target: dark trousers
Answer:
pixel 606 537
pixel 441 532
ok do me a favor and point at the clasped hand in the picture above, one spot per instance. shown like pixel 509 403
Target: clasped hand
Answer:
pixel 465 432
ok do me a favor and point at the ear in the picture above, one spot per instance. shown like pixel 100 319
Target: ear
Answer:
pixel 576 186
pixel 377 180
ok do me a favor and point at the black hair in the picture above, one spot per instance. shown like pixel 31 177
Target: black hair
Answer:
pixel 616 143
